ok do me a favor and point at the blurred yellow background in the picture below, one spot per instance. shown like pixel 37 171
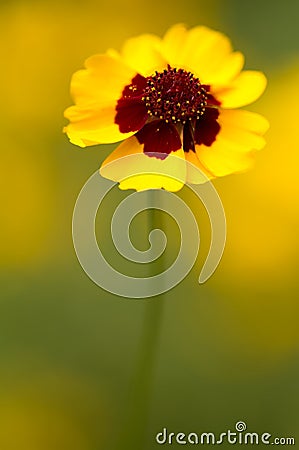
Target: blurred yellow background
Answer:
pixel 229 348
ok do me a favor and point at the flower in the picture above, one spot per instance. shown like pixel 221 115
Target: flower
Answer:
pixel 172 96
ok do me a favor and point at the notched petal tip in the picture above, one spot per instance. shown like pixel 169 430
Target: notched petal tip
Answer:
pixel 73 138
pixel 133 169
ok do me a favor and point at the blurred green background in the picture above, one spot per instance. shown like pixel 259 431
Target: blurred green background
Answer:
pixel 228 350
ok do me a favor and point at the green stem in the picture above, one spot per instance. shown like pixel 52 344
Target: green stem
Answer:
pixel 136 423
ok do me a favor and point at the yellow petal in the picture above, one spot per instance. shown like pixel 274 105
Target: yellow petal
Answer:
pixel 195 176
pixel 92 125
pixel 95 91
pixel 103 80
pixel 243 129
pixel 142 53
pixel 142 171
pixel 244 89
pixel 246 120
pixel 205 52
pixel 206 45
pixel 240 135
pixel 223 72
pixel 173 43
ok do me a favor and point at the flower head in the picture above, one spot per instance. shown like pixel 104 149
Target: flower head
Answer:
pixel 176 95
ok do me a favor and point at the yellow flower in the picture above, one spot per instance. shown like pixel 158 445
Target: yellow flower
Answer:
pixel 176 95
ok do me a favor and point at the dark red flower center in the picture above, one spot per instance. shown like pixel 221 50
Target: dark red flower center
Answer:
pixel 175 96
pixel 168 110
